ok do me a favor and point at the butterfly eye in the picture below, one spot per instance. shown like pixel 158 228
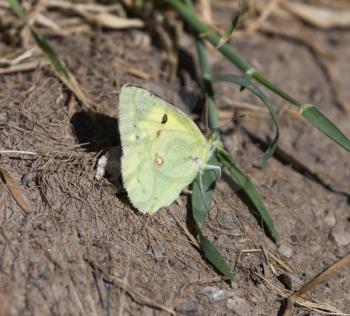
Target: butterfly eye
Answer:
pixel 164 119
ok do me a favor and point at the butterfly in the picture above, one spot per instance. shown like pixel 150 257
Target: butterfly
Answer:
pixel 163 149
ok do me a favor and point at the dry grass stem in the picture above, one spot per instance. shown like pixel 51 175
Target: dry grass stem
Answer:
pixel 320 278
pixel 322 17
pixel 303 301
pixel 28 66
pixel 263 16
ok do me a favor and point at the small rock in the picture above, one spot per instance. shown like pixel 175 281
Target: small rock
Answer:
pixel 3 118
pixel 285 251
pixel 239 306
pixel 218 295
pixel 330 219
pixel 340 235
pixel 290 281
pixel 101 167
pixel 172 261
pixel 227 221
pixel 215 294
pixel 254 300
pixel 186 307
pixel 286 280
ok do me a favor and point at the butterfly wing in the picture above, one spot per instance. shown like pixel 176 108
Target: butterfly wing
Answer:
pixel 163 150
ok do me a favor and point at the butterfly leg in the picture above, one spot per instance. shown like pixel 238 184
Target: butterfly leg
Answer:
pixel 206 167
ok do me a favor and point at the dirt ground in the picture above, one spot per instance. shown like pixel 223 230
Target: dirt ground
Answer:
pixel 80 250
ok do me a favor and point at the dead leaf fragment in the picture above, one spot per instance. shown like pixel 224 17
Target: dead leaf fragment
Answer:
pixel 15 190
pixel 98 14
pixel 112 21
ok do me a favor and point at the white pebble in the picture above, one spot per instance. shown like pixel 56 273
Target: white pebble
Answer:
pixel 285 251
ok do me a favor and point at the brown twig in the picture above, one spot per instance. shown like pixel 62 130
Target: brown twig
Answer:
pixel 320 278
pixel 302 301
pixel 263 16
pixel 28 66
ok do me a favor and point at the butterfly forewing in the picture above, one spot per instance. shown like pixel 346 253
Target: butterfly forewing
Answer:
pixel 163 149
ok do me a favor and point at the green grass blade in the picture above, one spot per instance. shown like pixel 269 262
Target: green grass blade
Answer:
pixel 247 186
pixel 230 53
pixel 201 202
pixel 231 27
pixel 207 85
pixel 214 257
pixel 205 72
pixel 317 119
pixel 45 47
pixel 245 82
pixel 18 10
pixel 51 55
pixel 206 32
pixel 203 186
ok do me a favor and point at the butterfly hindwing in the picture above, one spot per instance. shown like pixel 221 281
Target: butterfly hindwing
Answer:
pixel 163 150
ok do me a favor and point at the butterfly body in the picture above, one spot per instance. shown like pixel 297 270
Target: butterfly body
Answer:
pixel 163 149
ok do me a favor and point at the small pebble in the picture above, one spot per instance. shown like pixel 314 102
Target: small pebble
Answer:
pixel 290 281
pixel 330 219
pixel 285 251
pixel 172 261
pixel 254 300
pixel 3 118
pixel 101 168
pixel 227 221
pixel 216 294
pixel 340 235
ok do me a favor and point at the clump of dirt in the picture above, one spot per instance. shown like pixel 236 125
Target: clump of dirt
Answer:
pixel 81 250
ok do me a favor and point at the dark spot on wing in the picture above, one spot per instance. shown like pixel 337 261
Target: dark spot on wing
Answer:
pixel 164 119
pixel 158 133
